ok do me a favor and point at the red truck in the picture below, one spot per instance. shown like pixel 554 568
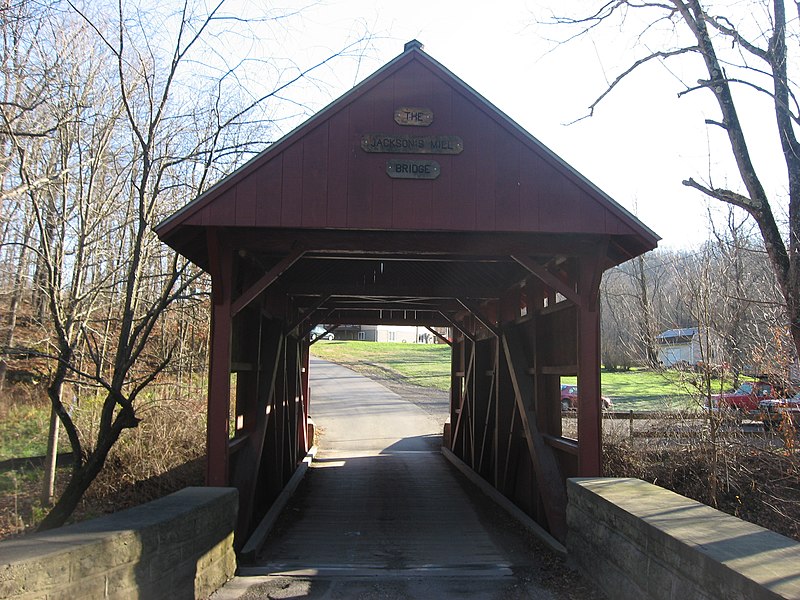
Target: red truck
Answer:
pixel 749 394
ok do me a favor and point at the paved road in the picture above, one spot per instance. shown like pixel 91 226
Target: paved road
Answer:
pixel 381 514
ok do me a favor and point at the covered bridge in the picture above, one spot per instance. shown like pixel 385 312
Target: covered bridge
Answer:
pixel 409 200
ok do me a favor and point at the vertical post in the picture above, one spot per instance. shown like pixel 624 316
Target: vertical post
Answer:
pixel 304 362
pixel 504 421
pixel 219 369
pixel 589 410
pixel 293 403
pixel 456 351
pixel 247 345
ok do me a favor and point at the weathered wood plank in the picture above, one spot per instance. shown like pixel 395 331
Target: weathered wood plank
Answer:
pixel 248 467
pixel 550 481
pixel 219 372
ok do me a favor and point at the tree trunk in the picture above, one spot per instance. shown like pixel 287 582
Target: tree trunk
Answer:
pixel 79 482
pixel 16 295
pixel 648 338
pixel 85 472
pixel 49 482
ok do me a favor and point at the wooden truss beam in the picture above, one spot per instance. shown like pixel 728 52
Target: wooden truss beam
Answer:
pixel 307 313
pixel 439 335
pixel 377 317
pixel 548 278
pixel 319 337
pixel 435 305
pixel 481 318
pixel 436 290
pixel 548 474
pixel 250 458
pixel 420 244
pixel 456 325
pixel 219 369
pixel 265 281
pixel 462 431
pixel 308 327
pixel 589 411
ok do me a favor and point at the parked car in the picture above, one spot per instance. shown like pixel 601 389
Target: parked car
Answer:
pixel 774 410
pixel 320 331
pixel 569 398
pixel 746 399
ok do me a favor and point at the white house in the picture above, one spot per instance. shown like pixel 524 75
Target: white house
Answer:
pixel 679 346
pixel 389 333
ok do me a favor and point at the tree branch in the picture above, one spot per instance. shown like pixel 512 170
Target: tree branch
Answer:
pixel 659 54
pixel 729 30
pixel 727 196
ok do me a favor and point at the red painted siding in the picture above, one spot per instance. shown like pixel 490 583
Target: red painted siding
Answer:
pixel 502 181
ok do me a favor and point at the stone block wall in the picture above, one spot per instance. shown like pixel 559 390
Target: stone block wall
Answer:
pixel 180 546
pixel 638 541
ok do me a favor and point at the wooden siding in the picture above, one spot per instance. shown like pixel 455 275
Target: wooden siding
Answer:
pixel 323 179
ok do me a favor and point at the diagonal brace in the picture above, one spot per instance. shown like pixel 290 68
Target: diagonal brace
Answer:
pixel 548 278
pixel 265 281
pixel 478 314
pixel 438 335
pixel 548 473
pixel 307 313
pixel 455 325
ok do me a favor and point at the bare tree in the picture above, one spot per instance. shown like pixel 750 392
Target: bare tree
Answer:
pixel 637 298
pixel 745 50
pixel 139 111
pixel 25 70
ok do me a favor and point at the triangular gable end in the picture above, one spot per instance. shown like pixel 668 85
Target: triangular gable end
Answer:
pixel 461 166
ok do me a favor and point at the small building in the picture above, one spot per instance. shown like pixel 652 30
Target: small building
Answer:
pixel 683 347
pixel 388 333
pixel 399 333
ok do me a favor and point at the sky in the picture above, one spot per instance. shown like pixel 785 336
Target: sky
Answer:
pixel 642 140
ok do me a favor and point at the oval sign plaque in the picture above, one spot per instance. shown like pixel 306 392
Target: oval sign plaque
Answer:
pixel 398 168
pixel 413 116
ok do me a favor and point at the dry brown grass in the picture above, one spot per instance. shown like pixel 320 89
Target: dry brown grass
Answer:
pixel 163 454
pixel 754 476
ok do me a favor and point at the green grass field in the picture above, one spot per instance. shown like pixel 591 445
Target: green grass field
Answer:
pixel 23 432
pixel 642 390
pixel 429 365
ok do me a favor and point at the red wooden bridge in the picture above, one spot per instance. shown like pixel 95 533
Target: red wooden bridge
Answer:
pixel 410 200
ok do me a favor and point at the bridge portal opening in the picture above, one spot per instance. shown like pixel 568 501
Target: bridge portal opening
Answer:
pixel 413 201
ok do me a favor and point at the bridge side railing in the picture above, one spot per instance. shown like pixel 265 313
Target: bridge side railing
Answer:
pixel 179 546
pixel 638 541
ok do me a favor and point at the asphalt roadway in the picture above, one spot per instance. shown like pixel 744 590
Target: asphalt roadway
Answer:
pixel 382 514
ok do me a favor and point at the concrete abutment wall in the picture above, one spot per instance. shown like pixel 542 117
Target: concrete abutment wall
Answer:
pixel 180 546
pixel 639 541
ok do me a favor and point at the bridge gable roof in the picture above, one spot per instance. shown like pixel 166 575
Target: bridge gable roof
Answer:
pixel 321 176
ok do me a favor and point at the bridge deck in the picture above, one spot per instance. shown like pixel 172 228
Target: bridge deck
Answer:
pixel 382 514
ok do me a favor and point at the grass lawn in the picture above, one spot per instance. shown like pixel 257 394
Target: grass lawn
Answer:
pixel 647 390
pixel 429 365
pixel 23 432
